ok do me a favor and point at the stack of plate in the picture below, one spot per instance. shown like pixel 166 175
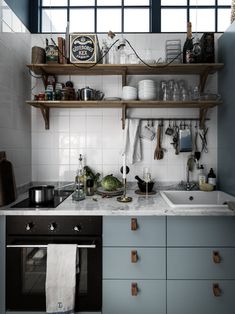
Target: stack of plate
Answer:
pixel 129 93
pixel 147 90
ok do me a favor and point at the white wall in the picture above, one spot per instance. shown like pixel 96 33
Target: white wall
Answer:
pixel 15 85
pixel 97 133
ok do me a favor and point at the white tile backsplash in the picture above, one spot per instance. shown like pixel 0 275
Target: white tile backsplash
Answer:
pixel 97 133
pixel 15 86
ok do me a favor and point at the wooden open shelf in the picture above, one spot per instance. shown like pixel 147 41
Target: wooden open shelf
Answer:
pixel 127 69
pixel 124 105
pixel 201 69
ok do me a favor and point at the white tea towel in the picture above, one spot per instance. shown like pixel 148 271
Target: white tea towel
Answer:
pixel 132 144
pixel 61 278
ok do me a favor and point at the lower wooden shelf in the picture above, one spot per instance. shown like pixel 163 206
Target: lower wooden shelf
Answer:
pixel 45 106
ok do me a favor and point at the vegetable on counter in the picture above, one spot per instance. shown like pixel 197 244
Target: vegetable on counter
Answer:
pixel 110 183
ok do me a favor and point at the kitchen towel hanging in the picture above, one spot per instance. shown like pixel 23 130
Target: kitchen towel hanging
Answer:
pixel 132 144
pixel 61 278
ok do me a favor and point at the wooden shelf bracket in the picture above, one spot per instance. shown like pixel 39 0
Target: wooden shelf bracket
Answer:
pixel 45 111
pixel 124 108
pixel 203 78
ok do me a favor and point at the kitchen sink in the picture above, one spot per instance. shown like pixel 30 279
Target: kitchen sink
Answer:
pixel 197 199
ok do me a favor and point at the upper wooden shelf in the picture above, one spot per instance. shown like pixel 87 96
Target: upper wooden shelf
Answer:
pixel 124 69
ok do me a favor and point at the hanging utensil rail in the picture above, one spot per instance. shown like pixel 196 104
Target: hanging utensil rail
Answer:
pixel 167 119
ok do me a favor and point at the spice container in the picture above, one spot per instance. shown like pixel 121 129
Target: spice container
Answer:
pixel 89 187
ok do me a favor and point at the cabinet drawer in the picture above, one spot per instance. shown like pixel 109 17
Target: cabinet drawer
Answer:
pixel 194 297
pixel 118 299
pixel 201 231
pixel 201 263
pixel 138 263
pixel 117 231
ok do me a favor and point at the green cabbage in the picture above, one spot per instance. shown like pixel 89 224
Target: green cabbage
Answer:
pixel 110 183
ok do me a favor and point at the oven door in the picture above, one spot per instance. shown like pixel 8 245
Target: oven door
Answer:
pixel 26 273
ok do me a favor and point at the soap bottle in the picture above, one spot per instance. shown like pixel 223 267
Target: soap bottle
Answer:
pixel 201 176
pixel 212 177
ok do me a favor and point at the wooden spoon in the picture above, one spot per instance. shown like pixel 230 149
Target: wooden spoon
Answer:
pixel 159 153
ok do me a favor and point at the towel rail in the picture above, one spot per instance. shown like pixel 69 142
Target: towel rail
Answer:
pixel 90 246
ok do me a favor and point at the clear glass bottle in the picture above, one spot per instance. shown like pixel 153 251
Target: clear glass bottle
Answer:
pixel 112 55
pixel 201 176
pixel 79 193
pixel 104 52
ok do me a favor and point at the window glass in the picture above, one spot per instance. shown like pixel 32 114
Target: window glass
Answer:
pixel 202 2
pixel 136 20
pixel 54 20
pixel 82 3
pixel 205 20
pixel 173 20
pixel 223 19
pixel 109 19
pixel 136 2
pixel 224 2
pixel 82 20
pixel 174 2
pixel 54 3
pixel 109 2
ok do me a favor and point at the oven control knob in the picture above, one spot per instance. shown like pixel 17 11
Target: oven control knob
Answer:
pixel 77 228
pixel 29 226
pixel 52 226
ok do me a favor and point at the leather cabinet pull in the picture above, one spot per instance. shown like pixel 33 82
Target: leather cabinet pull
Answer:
pixel 216 290
pixel 134 256
pixel 216 257
pixel 134 289
pixel 134 224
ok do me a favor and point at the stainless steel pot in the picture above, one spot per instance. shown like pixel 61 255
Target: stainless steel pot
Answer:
pixel 88 93
pixel 41 194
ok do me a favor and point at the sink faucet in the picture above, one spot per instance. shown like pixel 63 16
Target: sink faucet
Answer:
pixel 189 167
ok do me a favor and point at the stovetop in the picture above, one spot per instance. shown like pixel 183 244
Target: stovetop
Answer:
pixel 59 197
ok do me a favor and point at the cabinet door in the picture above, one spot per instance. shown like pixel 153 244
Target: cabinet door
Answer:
pixel 197 297
pixel 118 298
pixel 138 263
pixel 2 262
pixel 201 231
pixel 120 231
pixel 200 263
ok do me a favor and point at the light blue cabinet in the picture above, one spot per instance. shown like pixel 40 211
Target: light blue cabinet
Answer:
pixel 201 263
pixel 117 231
pixel 118 298
pixel 150 263
pixel 201 231
pixel 134 253
pixel 197 297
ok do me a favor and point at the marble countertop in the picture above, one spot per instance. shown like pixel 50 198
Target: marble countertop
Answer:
pixel 141 205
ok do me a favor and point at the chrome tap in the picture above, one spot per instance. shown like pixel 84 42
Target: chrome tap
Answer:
pixel 189 168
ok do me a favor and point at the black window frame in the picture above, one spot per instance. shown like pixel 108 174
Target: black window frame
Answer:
pixel 188 7
pixel 154 7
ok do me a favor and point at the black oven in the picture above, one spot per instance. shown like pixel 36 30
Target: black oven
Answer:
pixel 26 251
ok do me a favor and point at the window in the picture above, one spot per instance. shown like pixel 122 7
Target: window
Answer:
pixel 127 16
pixel 95 16
pixel 205 15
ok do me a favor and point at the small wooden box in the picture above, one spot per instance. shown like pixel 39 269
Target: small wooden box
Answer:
pixel 84 48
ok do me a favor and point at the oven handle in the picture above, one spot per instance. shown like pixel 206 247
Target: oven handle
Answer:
pixel 91 246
